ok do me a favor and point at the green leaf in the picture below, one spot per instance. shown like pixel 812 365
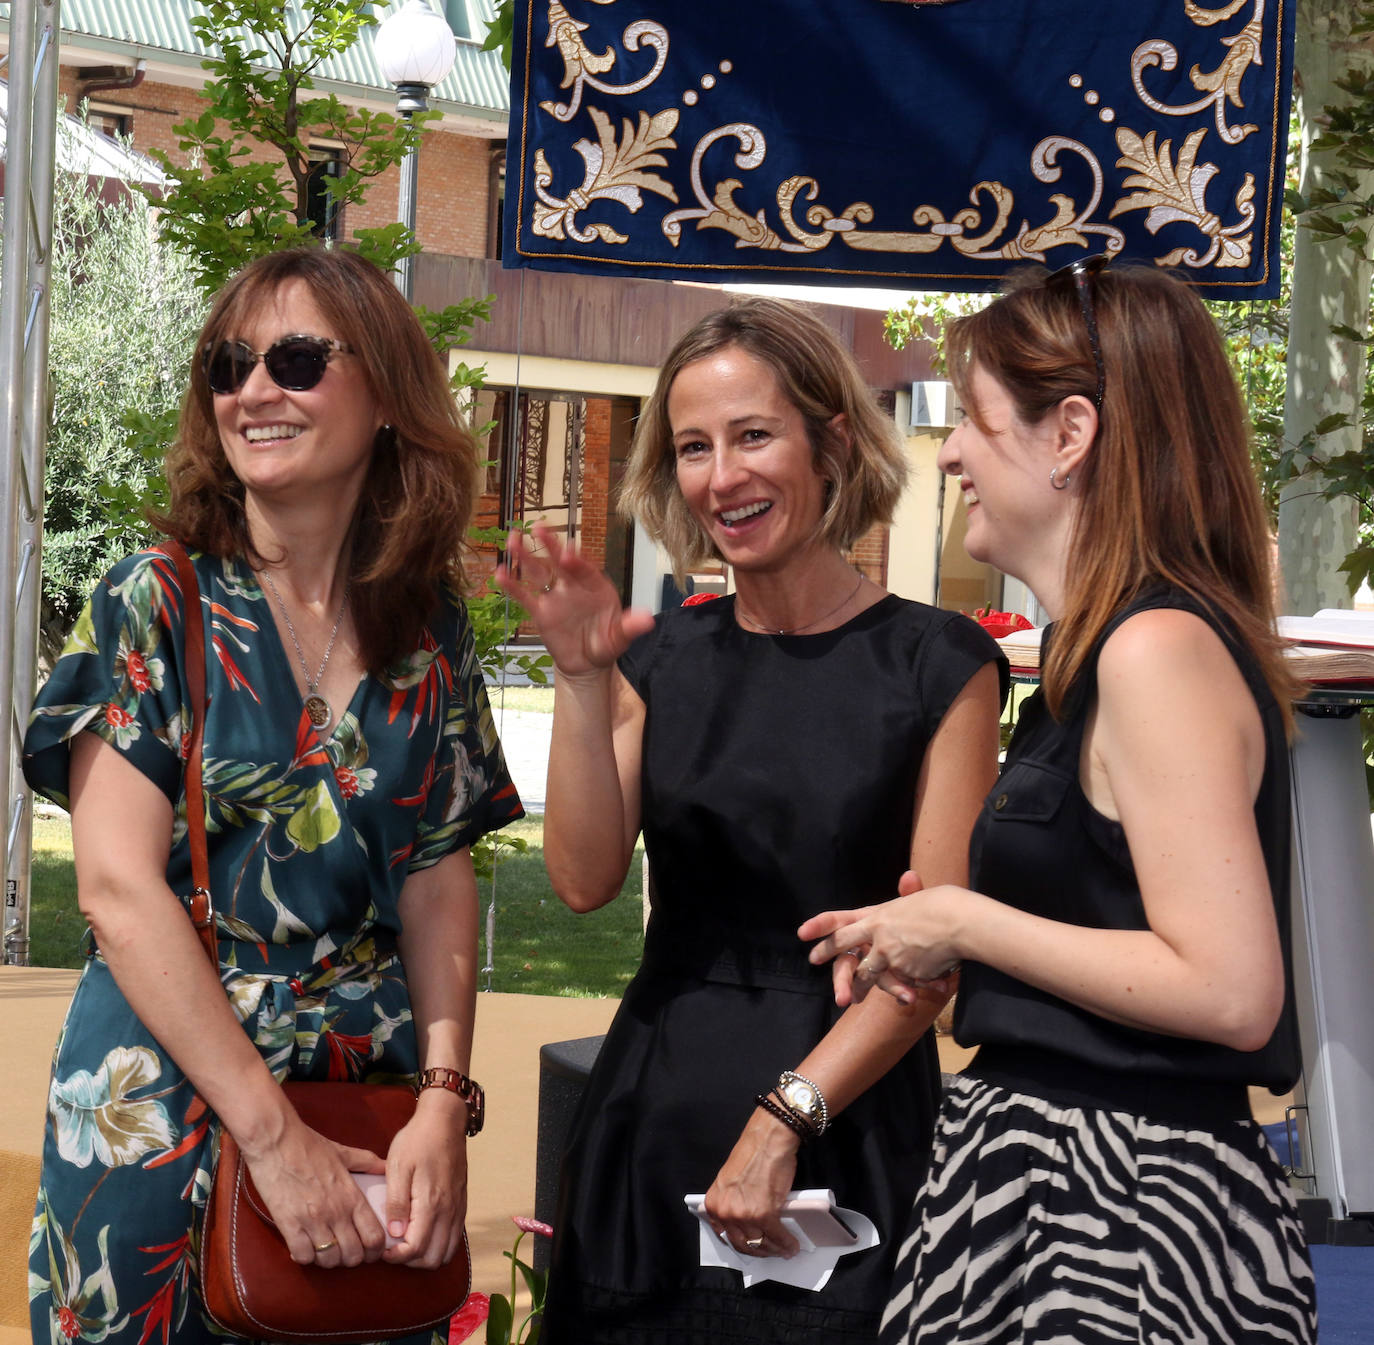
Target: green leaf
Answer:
pixel 500 1319
pixel 501 32
pixel 1330 424
pixel 316 822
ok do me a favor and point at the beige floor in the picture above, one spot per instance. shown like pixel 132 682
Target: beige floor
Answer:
pixel 510 1031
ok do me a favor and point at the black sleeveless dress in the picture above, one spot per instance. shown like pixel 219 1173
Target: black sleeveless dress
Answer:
pixel 779 780
pixel 1091 1181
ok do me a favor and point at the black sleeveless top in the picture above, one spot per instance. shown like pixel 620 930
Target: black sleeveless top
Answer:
pixel 1041 846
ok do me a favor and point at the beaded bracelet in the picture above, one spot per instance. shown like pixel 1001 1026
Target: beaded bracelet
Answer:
pixel 788 1117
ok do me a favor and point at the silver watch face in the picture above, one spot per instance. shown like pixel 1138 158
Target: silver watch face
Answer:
pixel 802 1097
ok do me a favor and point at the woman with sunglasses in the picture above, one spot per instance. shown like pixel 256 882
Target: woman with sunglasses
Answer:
pixel 807 737
pixel 1124 940
pixel 321 479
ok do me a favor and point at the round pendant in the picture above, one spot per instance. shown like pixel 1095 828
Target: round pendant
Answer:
pixel 319 711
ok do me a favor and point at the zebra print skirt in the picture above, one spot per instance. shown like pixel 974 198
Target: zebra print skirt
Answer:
pixel 1042 1223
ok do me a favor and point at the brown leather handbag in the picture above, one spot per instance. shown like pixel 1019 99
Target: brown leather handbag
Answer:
pixel 249 1283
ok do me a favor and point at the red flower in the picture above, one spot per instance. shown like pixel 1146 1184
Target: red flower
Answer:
pixel 348 781
pixel 466 1322
pixel 528 1225
pixel 67 1321
pixel 185 746
pixel 696 599
pixel 117 718
pixel 138 670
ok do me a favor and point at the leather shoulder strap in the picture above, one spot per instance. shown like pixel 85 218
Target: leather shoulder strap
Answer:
pixel 202 908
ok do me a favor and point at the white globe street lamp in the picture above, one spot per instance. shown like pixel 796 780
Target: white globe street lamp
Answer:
pixel 415 48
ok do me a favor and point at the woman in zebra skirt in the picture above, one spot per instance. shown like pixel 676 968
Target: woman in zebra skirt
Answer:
pixel 1096 1174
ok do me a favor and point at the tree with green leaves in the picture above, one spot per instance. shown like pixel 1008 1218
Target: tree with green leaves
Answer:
pixel 229 203
pixel 125 312
pixel 1326 534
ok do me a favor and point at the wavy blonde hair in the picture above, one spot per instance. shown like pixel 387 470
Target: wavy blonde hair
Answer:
pixel 865 470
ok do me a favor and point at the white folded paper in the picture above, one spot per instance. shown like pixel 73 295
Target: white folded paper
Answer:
pixel 809 1268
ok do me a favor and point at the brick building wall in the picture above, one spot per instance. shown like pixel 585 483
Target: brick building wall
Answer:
pixel 452 203
pixel 869 554
pixel 596 479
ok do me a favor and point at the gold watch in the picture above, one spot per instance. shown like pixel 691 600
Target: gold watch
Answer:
pixel 803 1099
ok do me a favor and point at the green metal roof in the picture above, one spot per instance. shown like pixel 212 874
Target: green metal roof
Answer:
pixel 477 84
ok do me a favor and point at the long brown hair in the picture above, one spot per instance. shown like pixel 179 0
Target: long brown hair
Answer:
pixel 819 377
pixel 412 516
pixel 1168 493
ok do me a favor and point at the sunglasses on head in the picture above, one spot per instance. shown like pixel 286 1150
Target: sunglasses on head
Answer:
pixel 1081 273
pixel 296 363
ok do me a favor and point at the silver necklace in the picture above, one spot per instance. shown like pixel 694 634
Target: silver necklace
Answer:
pixel 797 630
pixel 316 706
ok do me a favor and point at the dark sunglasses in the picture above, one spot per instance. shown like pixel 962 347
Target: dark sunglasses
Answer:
pixel 296 363
pixel 1081 273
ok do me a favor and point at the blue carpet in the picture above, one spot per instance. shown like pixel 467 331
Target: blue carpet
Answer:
pixel 1345 1275
pixel 1345 1294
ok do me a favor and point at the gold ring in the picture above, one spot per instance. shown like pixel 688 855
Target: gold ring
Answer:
pixel 753 1243
pixel 325 1246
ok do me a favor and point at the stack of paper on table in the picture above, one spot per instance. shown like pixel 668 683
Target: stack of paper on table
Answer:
pixel 1334 647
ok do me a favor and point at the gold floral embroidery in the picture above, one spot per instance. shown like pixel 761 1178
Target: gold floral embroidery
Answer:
pixel 1171 193
pixel 1219 87
pixel 614 172
pixel 580 67
pixel 720 210
pixel 1177 192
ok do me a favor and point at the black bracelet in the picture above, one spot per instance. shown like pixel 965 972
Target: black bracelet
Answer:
pixel 788 1117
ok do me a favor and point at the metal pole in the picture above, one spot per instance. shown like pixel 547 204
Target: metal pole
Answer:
pixel 24 289
pixel 405 212
pixel 410 99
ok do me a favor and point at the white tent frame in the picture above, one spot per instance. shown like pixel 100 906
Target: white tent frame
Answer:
pixel 31 136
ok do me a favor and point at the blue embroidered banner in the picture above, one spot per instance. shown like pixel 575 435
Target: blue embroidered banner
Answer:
pixel 928 144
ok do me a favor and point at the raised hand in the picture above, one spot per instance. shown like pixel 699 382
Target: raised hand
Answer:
pixel 574 605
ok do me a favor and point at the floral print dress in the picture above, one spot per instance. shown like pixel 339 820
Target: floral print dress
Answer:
pixel 311 839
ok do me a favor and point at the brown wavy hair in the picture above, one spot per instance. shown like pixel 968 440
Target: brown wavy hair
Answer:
pixel 819 377
pixel 1168 493
pixel 410 528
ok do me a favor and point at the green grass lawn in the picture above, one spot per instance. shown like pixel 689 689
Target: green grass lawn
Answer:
pixel 542 948
pixel 539 699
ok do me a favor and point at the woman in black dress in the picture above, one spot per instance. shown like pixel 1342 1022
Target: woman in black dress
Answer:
pixel 1126 966
pixel 804 740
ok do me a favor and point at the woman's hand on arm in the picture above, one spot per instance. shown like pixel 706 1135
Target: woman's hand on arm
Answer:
pixel 121 830
pixel 591 816
pixel 959 766
pixel 426 1170
pixel 1176 749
